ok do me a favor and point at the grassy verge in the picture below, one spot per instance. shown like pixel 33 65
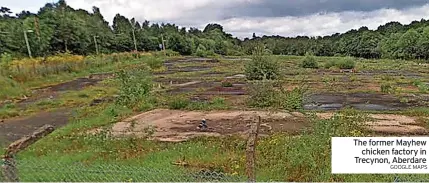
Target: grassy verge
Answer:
pixel 280 157
pixel 16 90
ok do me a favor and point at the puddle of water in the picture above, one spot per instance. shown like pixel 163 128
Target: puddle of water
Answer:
pixel 324 107
pixel 360 101
pixel 372 107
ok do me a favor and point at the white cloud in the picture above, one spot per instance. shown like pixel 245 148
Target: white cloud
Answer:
pixel 321 24
pixel 198 13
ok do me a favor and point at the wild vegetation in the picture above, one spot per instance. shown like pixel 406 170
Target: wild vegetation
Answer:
pixel 319 86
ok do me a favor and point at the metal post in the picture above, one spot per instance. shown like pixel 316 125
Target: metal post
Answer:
pixel 96 46
pixel 28 45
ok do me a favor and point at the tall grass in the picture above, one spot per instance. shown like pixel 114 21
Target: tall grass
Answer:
pixel 9 87
pixel 29 69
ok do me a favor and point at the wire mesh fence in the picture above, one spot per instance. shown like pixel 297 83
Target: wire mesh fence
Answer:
pixel 52 171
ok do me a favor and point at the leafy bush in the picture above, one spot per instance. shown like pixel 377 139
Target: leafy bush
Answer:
pixel 135 86
pixel 203 52
pixel 343 63
pixel 154 62
pixel 227 84
pixel 388 87
pixel 263 94
pixel 292 100
pixel 346 63
pixel 330 64
pixel 309 61
pixel 262 66
pixel 423 87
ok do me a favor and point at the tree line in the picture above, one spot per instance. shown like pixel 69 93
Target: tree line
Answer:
pixel 392 40
pixel 58 28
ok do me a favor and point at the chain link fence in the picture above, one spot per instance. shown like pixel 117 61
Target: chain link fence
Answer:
pixel 51 171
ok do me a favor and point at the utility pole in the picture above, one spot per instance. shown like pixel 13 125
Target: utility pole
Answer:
pixel 96 46
pixel 163 44
pixel 133 24
pixel 134 38
pixel 26 42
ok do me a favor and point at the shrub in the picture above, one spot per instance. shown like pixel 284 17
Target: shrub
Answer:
pixel 154 62
pixel 423 87
pixel 227 84
pixel 309 61
pixel 346 63
pixel 343 63
pixel 203 52
pixel 330 64
pixel 262 66
pixel 263 94
pixel 135 85
pixel 388 87
pixel 293 99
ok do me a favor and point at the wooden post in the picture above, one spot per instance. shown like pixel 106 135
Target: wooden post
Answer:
pixel 250 150
pixel 9 169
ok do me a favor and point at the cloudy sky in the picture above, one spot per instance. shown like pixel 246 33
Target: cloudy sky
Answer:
pixel 243 17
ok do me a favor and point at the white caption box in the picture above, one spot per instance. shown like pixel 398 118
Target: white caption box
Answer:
pixel 380 155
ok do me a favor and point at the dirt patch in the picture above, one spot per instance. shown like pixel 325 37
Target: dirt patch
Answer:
pixel 52 91
pixel 14 129
pixel 176 126
pixel 361 101
pixel 192 86
pixel 172 81
pixel 173 125
pixel 391 73
pixel 76 84
pixel 209 60
pixel 235 89
pixel 102 76
pixel 190 68
pixel 213 74
pixel 390 124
